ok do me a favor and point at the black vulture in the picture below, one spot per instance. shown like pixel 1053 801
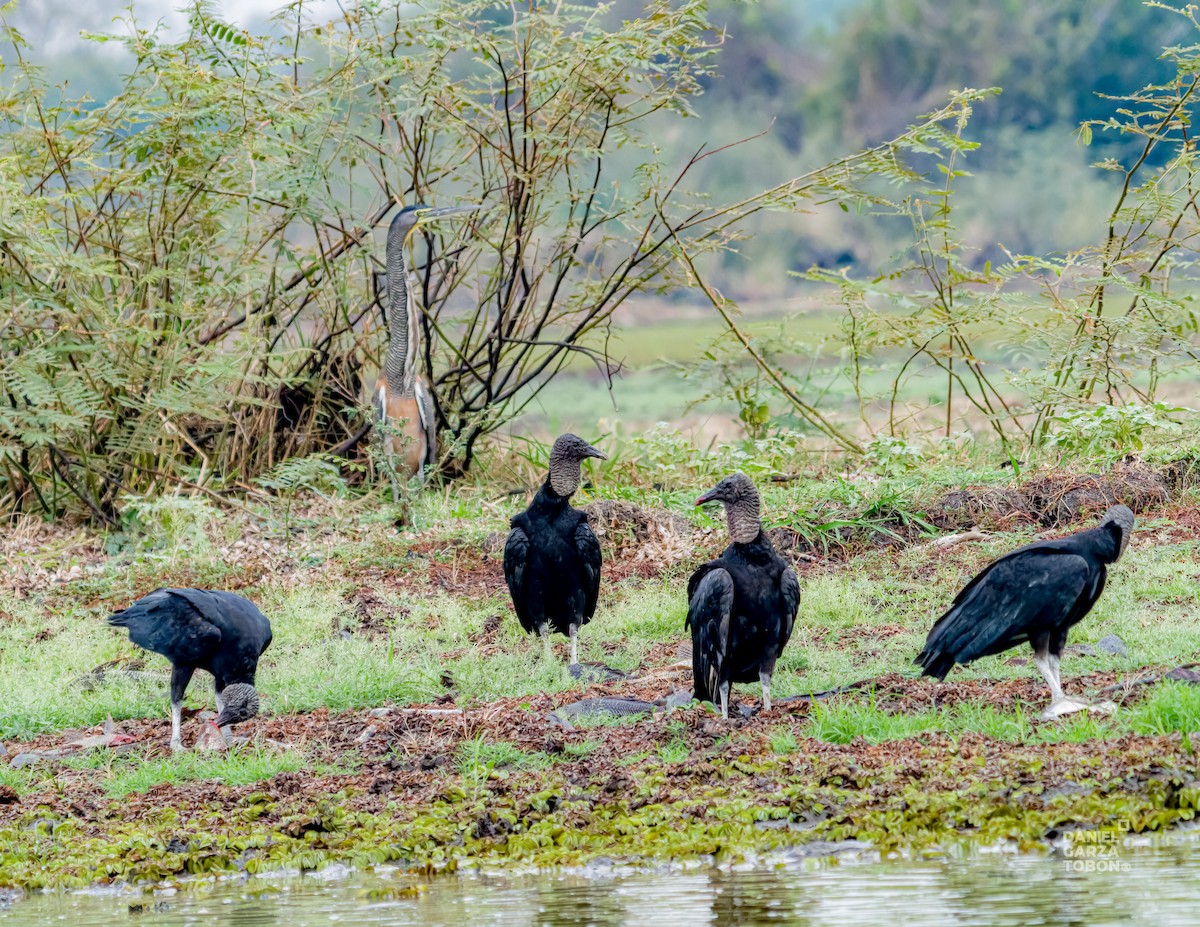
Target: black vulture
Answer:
pixel 1034 594
pixel 741 606
pixel 552 558
pixel 197 629
pixel 401 395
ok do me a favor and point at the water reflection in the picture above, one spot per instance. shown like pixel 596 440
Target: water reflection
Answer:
pixel 1156 886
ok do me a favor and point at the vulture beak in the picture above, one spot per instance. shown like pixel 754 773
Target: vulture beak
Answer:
pixel 222 720
pixel 707 497
pixel 592 452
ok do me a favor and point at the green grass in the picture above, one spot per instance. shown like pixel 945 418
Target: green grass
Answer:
pixel 478 756
pixel 122 774
pixel 858 620
pixel 1172 706
pixel 783 741
pixel 844 720
pixel 244 767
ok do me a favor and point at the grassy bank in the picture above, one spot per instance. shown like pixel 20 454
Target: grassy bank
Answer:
pixel 467 766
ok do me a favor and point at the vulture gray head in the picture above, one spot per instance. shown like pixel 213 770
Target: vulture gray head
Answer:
pixel 566 457
pixel 1122 518
pixel 239 703
pixel 743 509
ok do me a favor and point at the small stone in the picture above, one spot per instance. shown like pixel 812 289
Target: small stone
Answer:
pixel 1112 644
pixel 211 738
pixel 3 752
pixel 22 760
pixel 1183 674
pixel 379 712
pixel 1081 650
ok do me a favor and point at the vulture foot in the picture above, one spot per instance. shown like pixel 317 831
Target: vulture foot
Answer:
pixel 1066 706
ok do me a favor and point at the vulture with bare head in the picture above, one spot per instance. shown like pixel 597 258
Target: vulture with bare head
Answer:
pixel 220 632
pixel 552 558
pixel 1033 595
pixel 741 606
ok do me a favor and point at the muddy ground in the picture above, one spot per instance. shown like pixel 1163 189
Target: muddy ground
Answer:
pixel 402 788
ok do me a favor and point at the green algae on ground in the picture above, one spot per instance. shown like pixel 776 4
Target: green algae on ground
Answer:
pixel 904 795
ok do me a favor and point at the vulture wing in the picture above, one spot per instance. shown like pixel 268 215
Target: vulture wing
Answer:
pixel 516 556
pixel 789 587
pixel 590 561
pixel 1014 599
pixel 709 607
pixel 696 577
pixel 169 625
pixel 238 616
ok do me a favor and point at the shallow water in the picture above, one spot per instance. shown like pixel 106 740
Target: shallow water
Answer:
pixel 1157 885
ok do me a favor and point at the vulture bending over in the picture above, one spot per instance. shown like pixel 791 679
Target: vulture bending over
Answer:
pixel 196 629
pixel 1034 594
pixel 552 558
pixel 741 606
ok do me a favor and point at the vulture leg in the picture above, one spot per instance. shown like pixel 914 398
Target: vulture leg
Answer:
pixel 1103 708
pixel 724 691
pixel 544 634
pixel 176 724
pixel 765 678
pixel 574 644
pixel 180 677
pixel 1060 705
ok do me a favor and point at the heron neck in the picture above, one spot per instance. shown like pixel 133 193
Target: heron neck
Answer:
pixel 565 474
pixel 400 367
pixel 744 520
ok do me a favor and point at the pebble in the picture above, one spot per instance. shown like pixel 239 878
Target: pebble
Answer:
pixel 1112 644
pixel 22 760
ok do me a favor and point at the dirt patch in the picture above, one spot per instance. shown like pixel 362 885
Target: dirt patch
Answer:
pixel 1058 498
pixel 639 540
pixel 373 616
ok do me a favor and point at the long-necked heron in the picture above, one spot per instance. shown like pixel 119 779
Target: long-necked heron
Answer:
pixel 403 402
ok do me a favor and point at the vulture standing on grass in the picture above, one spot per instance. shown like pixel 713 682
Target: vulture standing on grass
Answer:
pixel 196 629
pixel 741 606
pixel 1034 594
pixel 403 403
pixel 552 558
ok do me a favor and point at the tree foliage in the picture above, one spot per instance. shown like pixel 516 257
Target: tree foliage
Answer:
pixel 1036 343
pixel 188 271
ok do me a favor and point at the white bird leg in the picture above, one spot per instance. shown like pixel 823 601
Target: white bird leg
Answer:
pixel 765 679
pixel 176 723
pixel 724 689
pixel 574 644
pixel 544 634
pixel 1060 705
